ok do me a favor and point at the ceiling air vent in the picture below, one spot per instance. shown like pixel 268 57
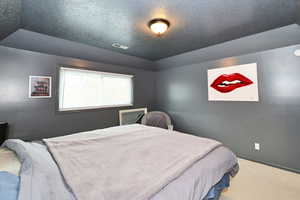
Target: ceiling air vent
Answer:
pixel 119 46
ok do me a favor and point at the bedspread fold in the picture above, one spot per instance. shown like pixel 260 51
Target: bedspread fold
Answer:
pixel 131 163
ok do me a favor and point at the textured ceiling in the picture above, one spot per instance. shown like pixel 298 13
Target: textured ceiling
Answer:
pixel 194 23
pixel 10 17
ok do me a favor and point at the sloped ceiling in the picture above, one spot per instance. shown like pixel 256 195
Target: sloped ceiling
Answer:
pixel 194 24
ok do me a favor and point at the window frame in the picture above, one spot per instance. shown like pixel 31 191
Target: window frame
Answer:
pixel 87 108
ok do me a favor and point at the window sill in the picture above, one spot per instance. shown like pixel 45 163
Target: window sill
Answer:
pixel 93 108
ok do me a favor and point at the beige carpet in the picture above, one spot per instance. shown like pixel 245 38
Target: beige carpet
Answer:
pixel 261 182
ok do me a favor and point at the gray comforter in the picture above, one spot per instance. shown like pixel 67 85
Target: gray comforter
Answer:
pixel 179 174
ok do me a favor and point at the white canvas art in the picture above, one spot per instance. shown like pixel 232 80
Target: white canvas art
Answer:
pixel 235 83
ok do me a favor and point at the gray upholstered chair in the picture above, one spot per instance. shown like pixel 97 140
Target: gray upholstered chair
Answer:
pixel 157 119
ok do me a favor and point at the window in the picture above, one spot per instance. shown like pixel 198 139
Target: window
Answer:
pixel 85 89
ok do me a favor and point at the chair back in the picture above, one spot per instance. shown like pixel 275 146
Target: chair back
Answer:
pixel 157 119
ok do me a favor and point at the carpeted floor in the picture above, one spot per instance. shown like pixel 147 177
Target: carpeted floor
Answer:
pixel 261 182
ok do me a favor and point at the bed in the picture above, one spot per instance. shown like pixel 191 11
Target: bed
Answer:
pixel 115 163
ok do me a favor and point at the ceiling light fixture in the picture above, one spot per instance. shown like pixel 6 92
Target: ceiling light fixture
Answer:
pixel 159 26
pixel 119 46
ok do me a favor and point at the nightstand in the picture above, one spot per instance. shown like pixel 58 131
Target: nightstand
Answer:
pixel 3 127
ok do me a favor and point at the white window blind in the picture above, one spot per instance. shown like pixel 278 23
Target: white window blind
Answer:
pixel 85 89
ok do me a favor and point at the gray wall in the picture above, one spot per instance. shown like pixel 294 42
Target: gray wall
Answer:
pixel 274 121
pixel 181 91
pixel 38 118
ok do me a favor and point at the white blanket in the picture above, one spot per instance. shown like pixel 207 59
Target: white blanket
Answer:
pixel 132 162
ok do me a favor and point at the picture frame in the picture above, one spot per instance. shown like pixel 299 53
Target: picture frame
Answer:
pixel 40 86
pixel 233 83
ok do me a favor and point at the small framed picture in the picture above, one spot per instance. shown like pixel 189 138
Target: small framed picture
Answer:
pixel 40 87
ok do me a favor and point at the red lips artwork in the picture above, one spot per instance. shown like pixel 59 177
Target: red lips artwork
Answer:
pixel 228 82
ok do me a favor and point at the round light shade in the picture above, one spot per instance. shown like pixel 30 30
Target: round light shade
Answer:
pixel 159 26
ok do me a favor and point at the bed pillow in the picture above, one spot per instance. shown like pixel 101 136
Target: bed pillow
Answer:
pixel 9 186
